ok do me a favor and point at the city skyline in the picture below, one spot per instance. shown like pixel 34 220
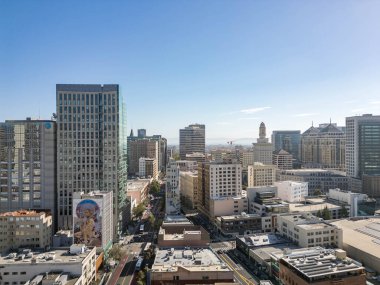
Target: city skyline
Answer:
pixel 229 65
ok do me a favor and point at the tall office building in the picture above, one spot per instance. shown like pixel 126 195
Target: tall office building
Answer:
pixel 92 147
pixel 262 150
pixel 363 145
pixel 323 147
pixel 28 165
pixel 288 141
pixel 192 139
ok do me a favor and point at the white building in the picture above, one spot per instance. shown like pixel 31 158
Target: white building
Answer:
pixel 78 267
pixel 225 180
pixel 347 197
pixel 172 195
pixel 291 191
pixel 148 167
pixel 260 174
pixel 307 230
pixel 227 206
pixel 262 150
pixel 92 219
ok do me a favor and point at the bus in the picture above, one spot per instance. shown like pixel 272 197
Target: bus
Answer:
pixel 139 264
pixel 141 228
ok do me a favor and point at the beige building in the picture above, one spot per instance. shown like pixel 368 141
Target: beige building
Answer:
pixel 324 147
pixel 148 167
pixel 307 230
pixel 260 174
pixel 262 149
pixel 282 159
pixel 247 158
pixel 226 206
pixel 361 240
pixel 181 234
pixel 147 148
pixel 189 266
pixel 316 206
pixel 321 267
pixel 189 189
pixel 76 266
pixel 138 189
pixel 27 229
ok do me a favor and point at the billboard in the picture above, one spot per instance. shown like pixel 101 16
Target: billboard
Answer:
pixel 87 215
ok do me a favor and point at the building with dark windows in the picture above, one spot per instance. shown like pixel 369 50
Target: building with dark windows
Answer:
pixel 288 141
pixel 192 139
pixel 28 166
pixel 92 147
pixel 362 145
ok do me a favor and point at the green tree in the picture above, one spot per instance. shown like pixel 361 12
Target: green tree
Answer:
pixel 326 215
pixel 317 192
pixel 116 252
pixel 154 187
pixel 139 210
pixel 319 214
pixel 343 212
pixel 152 219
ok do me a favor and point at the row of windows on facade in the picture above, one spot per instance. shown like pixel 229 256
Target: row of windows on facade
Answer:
pixel 110 133
pixel 73 119
pixel 87 109
pixel 97 99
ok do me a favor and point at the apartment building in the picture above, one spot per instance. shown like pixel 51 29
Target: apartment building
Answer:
pixel 141 148
pixel 172 194
pixel 27 229
pixel 148 167
pixel 260 174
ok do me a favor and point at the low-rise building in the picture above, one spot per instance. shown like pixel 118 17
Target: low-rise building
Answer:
pixel 266 203
pixel 27 229
pixel 317 206
pixel 360 237
pixel 291 191
pixel 138 189
pixel 76 266
pixel 189 266
pixel 225 206
pixel 247 242
pixel 180 235
pixel 307 230
pixel 239 224
pixel 260 174
pixel 321 267
pixel 63 238
pixel 189 189
pixel 347 198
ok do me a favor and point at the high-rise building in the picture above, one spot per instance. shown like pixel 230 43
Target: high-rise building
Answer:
pixel 217 180
pixel 92 147
pixel 362 145
pixel 148 167
pixel 323 147
pixel 172 194
pixel 260 174
pixel 140 148
pixel 189 189
pixel 144 146
pixel 28 166
pixel 192 140
pixel 262 150
pixel 288 141
pixel 282 159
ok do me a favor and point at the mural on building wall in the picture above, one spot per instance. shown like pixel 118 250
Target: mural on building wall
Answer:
pixel 88 221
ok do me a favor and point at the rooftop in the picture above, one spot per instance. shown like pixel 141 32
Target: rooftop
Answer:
pixel 176 219
pixel 366 230
pixel 299 207
pixel 22 213
pixel 256 240
pixel 168 260
pixel 137 184
pixel 242 216
pixel 321 262
pixel 55 256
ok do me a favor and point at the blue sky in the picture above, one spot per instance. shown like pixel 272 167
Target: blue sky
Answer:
pixel 227 64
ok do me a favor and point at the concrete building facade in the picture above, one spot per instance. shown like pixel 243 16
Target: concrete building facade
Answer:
pixel 260 174
pixel 292 191
pixel 262 149
pixel 28 164
pixel 148 167
pixel 282 159
pixel 25 229
pixel 92 147
pixel 192 139
pixel 189 189
pixel 172 194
